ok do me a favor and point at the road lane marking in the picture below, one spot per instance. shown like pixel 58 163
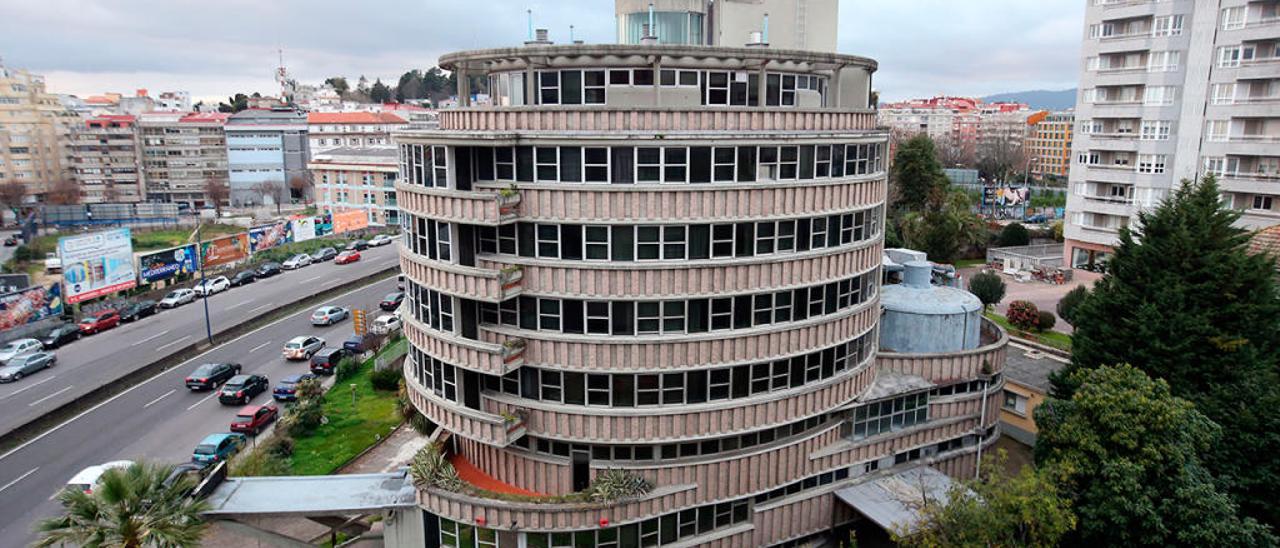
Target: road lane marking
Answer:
pixel 82 414
pixel 259 347
pixel 20 478
pixel 29 386
pixel 165 395
pixel 151 338
pixel 313 278
pixel 173 342
pixel 238 305
pixel 252 310
pixel 205 399
pixel 42 400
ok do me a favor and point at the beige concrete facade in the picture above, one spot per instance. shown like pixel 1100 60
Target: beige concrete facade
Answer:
pixel 181 154
pixel 35 129
pixel 108 159
pixel 364 179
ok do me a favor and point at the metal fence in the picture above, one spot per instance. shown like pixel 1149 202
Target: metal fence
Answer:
pixel 1026 257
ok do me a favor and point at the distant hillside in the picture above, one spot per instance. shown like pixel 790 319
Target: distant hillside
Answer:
pixel 1039 99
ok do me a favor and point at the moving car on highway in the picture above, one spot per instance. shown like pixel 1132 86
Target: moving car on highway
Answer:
pixel 242 388
pixel 380 240
pixel 99 321
pixel 212 286
pixel 210 375
pixel 18 348
pixel 218 447
pixel 10 241
pixel 287 388
pixel 302 348
pixel 329 315
pixel 138 310
pixel 347 257
pixel 251 419
pixel 392 301
pixel 267 270
pixel 244 277
pixel 21 366
pixel 326 361
pixel 85 480
pixel 324 254
pixel 297 261
pixel 386 324
pixel 178 297
pixel 60 335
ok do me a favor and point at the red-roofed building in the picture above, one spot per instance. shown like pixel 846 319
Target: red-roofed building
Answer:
pixel 181 153
pixel 331 130
pixel 959 125
pixel 107 159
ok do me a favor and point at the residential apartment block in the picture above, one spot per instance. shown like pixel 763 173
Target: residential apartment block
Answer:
pixel 266 149
pixel 791 24
pixel 958 125
pixel 357 178
pixel 35 127
pixel 667 260
pixel 333 130
pixel 1172 90
pixel 181 153
pixel 108 159
pixel 1048 147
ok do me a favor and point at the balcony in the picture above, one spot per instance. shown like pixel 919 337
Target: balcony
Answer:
pixel 473 424
pixel 638 118
pixel 482 284
pixel 490 358
pixel 481 208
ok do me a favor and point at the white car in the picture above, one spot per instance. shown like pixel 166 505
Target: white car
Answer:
pixel 302 348
pixel 380 240
pixel 386 324
pixel 85 480
pixel 178 297
pixel 212 286
pixel 19 347
pixel 329 315
pixel 297 261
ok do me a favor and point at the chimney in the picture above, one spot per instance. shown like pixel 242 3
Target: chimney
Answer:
pixel 540 38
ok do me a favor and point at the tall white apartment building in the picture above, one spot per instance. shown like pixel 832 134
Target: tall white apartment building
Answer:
pixel 1172 90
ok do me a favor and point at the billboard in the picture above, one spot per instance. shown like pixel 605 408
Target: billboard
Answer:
pixel 266 237
pixel 96 264
pixel 13 282
pixel 29 305
pixel 352 219
pixel 162 265
pixel 303 228
pixel 224 250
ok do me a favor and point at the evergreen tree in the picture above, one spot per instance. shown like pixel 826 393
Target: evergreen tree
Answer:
pixel 1184 301
pixel 917 174
pixel 989 287
pixel 380 93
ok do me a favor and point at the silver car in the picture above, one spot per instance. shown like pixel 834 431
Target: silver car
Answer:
pixel 22 366
pixel 297 261
pixel 329 315
pixel 18 348
pixel 302 348
pixel 177 298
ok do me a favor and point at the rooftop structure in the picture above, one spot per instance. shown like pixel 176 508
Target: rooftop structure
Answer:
pixel 784 24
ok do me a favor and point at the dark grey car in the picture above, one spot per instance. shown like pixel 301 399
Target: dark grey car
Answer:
pixel 324 254
pixel 22 366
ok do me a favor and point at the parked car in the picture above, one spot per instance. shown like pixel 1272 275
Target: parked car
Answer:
pixel 302 348
pixel 86 480
pixel 10 241
pixel 329 315
pixel 347 257
pixel 178 297
pixel 138 310
pixel 358 245
pixel 251 419
pixel 26 364
pixel 297 261
pixel 244 277
pixel 52 262
pixel 324 254
pixel 99 321
pixel 356 343
pixel 392 301
pixel 18 348
pixel 242 388
pixel 386 324
pixel 287 388
pixel 218 447
pixel 380 240
pixel 326 361
pixel 60 335
pixel 210 375
pixel 267 270
pixel 194 470
pixel 400 282
pixel 212 286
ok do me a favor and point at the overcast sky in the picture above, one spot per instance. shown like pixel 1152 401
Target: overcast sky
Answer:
pixel 213 49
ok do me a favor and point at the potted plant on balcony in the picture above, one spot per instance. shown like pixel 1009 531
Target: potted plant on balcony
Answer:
pixel 430 468
pixel 614 484
pixel 509 200
pixel 512 350
pixel 514 419
pixel 511 275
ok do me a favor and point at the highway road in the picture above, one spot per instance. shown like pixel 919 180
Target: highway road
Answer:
pixel 98 359
pixel 159 419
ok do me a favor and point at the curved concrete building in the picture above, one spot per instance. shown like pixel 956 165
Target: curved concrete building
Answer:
pixel 665 260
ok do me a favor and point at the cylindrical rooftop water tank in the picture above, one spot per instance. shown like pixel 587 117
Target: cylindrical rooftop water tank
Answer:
pixel 920 317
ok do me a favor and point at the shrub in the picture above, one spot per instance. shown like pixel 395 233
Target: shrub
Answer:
pixel 1024 315
pixel 988 287
pixel 1057 231
pixel 281 445
pixel 1014 234
pixel 385 379
pixel 346 369
pixel 617 484
pixel 260 462
pixel 430 468
pixel 1070 302
pixel 1046 320
pixel 411 415
pixel 23 253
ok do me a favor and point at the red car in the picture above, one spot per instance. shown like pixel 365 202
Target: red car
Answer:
pixel 347 257
pixel 253 418
pixel 100 321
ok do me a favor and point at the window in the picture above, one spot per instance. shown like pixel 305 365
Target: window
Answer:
pixel 548 315
pixel 1262 202
pixel 1151 163
pixel 595 164
pixel 1223 94
pixel 598 318
pixel 1163 61
pixel 1159 95
pixel 1233 18
pixel 504 163
pixel 1217 130
pixel 440 159
pixel 593 87
pixel 595 243
pixel 1167 25
pixel 547 164
pixel 648 164
pixel 723 161
pixel 1015 402
pixel 548 241
pixel 1101 30
pixel 549 87
pixel 890 415
pixel 1155 130
pixel 1233 56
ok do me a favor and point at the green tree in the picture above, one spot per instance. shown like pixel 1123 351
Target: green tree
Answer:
pixel 131 507
pixel 944 228
pixel 339 84
pixel 989 287
pixel 1014 234
pixel 1070 302
pixel 917 174
pixel 380 93
pixel 1184 301
pixel 998 509
pixel 1128 454
pixel 236 103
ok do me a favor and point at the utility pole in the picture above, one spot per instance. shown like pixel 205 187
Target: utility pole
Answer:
pixel 208 325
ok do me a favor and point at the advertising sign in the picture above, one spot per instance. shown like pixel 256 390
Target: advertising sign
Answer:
pixel 303 228
pixel 30 305
pixel 352 219
pixel 162 265
pixel 224 250
pixel 96 264
pixel 268 236
pixel 13 282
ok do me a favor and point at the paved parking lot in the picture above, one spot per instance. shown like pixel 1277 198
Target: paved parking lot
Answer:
pixel 1044 295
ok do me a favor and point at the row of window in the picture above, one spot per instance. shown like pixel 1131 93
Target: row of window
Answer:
pixel 624 243
pixel 430 307
pixel 702 315
pixel 715 87
pixel 890 415
pixel 667 451
pixel 427 165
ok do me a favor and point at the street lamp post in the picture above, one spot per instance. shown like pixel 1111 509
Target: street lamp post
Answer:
pixel 208 325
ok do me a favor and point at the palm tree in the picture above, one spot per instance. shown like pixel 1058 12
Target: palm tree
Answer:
pixel 131 507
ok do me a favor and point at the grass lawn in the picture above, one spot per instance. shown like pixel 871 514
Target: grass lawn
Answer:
pixel 1061 341
pixel 966 263
pixel 351 429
